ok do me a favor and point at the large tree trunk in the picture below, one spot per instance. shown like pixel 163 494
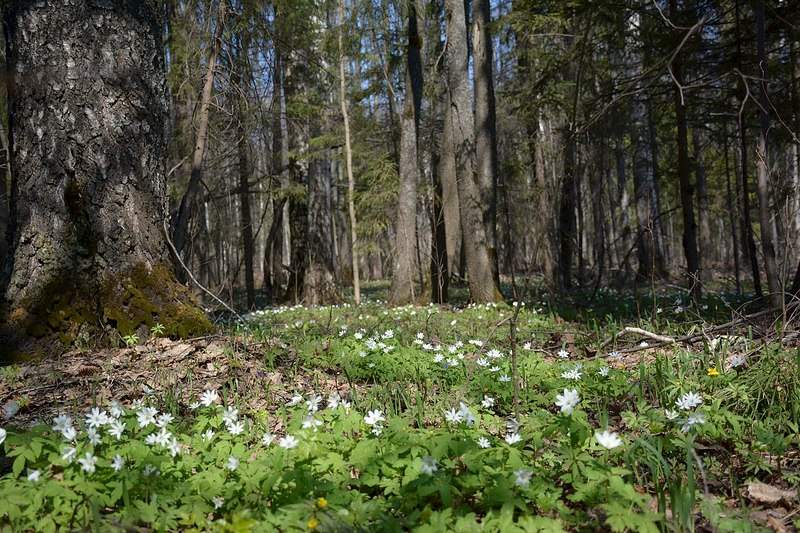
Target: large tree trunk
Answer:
pixel 762 170
pixel 485 124
pixel 404 290
pixel 88 115
pixel 482 284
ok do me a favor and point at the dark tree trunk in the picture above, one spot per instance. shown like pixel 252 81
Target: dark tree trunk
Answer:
pixel 702 204
pixel 319 283
pixel 243 147
pixel 684 178
pixel 567 224
pixel 88 114
pixel 731 212
pixel 749 242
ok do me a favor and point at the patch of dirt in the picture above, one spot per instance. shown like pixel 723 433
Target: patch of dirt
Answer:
pixel 161 368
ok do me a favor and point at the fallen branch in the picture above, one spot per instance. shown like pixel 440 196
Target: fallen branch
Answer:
pixel 663 340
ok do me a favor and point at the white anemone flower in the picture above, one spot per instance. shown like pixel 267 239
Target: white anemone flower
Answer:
pixel 608 439
pixel 568 400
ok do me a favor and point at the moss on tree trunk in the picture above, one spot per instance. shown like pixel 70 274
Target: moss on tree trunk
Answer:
pixel 88 114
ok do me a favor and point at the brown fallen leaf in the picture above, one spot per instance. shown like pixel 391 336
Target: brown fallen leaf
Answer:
pixel 763 493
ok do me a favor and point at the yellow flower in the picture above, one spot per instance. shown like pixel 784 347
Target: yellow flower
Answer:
pixel 313 523
pixel 712 372
pixel 322 503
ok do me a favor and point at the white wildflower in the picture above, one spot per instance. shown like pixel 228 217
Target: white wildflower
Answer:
pixel 88 463
pixel 688 401
pixel 288 442
pixel 608 439
pixel 209 397
pixel 567 401
pixel 118 463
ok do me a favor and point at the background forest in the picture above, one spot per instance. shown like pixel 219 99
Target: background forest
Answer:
pixel 612 144
pixel 400 265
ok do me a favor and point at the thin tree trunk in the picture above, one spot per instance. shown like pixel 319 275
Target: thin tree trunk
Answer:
pixel 348 153
pixel 749 244
pixel 702 205
pixel 245 219
pixel 684 178
pixel 762 170
pixel 180 228
pixel 731 212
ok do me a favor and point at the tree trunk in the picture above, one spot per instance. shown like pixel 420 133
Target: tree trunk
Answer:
pixel 243 147
pixel 348 153
pixel 702 205
pixel 89 182
pixel 482 285
pixel 485 124
pixel 762 170
pixel 319 285
pixel 749 243
pixel 404 289
pixel 684 178
pixel 732 202
pixel 180 229
pixel 567 224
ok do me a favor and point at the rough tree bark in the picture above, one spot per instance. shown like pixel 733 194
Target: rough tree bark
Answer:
pixel 404 289
pixel 88 113
pixel 482 285
pixel 319 284
pixel 485 123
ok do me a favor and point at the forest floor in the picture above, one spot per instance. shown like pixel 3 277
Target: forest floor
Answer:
pixel 352 418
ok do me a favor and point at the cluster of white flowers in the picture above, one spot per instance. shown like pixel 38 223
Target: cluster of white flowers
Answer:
pixel 573 374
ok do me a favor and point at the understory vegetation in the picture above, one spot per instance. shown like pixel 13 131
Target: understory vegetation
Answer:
pixel 488 417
